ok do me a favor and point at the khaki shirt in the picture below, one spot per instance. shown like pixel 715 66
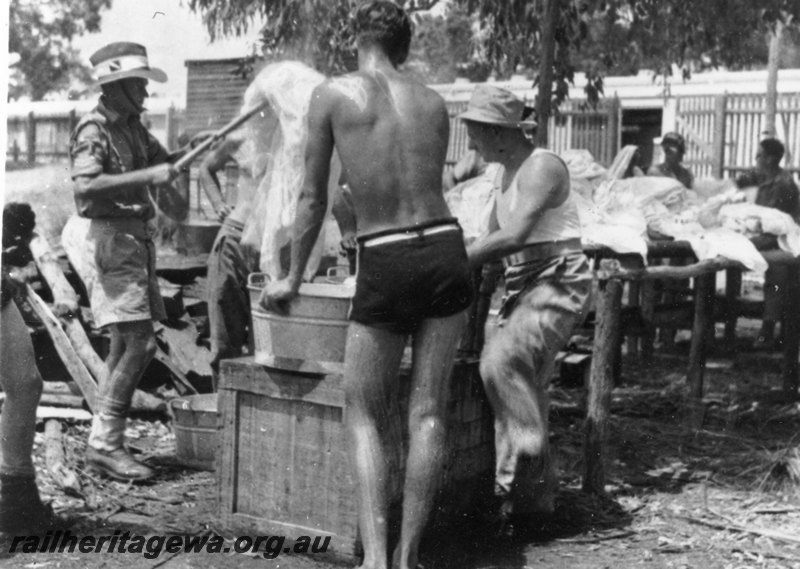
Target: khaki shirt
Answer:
pixel 105 142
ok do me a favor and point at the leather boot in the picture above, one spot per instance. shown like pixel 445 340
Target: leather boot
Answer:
pixel 117 464
pixel 21 509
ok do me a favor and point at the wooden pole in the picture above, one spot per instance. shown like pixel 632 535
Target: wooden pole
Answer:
pixel 703 305
pixel 773 64
pixel 544 95
pixel 648 294
pixel 791 333
pixel 65 300
pixel 171 127
pixel 634 301
pixel 613 130
pixel 733 288
pixel 66 352
pixel 55 459
pixel 30 137
pixel 606 339
pixel 718 143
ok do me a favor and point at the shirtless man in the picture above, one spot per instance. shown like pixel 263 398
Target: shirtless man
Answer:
pixel 391 134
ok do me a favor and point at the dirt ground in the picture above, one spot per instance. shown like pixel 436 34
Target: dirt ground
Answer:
pixel 723 497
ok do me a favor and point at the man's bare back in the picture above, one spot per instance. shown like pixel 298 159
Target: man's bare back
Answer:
pixel 391 135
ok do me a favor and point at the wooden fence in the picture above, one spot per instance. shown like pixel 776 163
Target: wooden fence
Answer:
pixel 723 131
pixel 44 136
pixel 596 130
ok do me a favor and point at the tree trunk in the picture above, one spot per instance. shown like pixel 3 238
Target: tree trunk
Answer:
pixel 544 96
pixel 772 80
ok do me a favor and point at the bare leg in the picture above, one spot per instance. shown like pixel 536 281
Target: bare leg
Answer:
pixel 435 345
pixel 371 365
pixel 21 508
pixel 23 386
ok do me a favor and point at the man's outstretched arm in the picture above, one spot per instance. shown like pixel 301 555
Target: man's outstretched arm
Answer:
pixel 312 203
pixel 216 160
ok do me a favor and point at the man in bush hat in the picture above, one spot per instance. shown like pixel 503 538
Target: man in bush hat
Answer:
pixel 118 168
pixel 674 147
pixel 534 229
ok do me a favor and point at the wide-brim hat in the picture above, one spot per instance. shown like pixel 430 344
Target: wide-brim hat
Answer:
pixel 121 60
pixel 496 106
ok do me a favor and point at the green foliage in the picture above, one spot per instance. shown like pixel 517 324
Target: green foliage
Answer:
pixel 594 36
pixel 315 31
pixel 443 48
pixel 40 34
pixel 624 36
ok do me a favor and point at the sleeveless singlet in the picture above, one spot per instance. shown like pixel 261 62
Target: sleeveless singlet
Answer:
pixel 556 224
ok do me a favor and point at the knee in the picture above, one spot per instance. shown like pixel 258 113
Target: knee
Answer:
pixel 428 416
pixel 427 422
pixel 532 442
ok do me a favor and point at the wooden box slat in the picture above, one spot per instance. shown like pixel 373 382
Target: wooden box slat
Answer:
pixel 284 462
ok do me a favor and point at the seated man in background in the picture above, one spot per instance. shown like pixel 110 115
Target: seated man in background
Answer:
pixel 674 290
pixel 776 188
pixel 674 147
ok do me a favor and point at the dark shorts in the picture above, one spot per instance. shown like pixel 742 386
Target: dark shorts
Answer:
pixel 401 283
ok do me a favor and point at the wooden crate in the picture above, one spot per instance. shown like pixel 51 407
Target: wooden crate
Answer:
pixel 284 464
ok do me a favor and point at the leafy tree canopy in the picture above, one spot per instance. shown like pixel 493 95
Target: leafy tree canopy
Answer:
pixel 594 36
pixel 598 36
pixel 40 36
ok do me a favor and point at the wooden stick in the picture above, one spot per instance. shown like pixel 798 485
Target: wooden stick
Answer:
pixel 733 289
pixel 731 526
pixel 55 400
pixel 65 300
pixel 791 334
pixel 64 413
pixel 72 362
pixel 55 460
pixel 703 299
pixel 190 156
pixel 611 269
pixel 179 376
pixel 74 331
pixel 607 337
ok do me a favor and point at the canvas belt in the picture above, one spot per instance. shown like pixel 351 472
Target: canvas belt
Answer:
pixel 409 235
pixel 541 251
